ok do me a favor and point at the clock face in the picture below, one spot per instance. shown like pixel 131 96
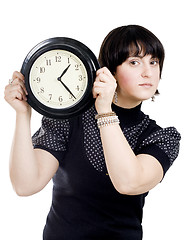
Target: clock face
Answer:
pixel 58 79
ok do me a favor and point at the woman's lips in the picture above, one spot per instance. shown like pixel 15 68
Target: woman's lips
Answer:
pixel 146 85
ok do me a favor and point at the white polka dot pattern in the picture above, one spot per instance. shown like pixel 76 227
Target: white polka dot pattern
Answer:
pixel 92 141
pixel 132 133
pixel 166 139
pixel 53 134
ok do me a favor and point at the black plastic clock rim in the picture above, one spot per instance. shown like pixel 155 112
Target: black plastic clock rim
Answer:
pixel 88 59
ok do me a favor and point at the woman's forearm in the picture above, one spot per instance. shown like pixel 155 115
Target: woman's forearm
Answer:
pixel 123 166
pixel 30 170
pixel 23 164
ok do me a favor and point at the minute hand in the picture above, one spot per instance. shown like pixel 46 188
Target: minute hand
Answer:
pixel 59 79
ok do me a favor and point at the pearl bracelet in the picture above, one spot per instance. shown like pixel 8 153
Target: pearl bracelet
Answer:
pixel 106 121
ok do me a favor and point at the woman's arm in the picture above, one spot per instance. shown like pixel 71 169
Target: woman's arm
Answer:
pixel 130 174
pixel 30 170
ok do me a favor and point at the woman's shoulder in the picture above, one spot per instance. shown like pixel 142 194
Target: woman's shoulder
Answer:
pixel 156 138
pixel 154 129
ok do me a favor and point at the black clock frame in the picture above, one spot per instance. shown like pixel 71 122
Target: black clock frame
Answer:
pixel 84 54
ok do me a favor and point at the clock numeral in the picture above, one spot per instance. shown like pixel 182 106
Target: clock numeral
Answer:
pixel 58 58
pixel 42 69
pixel 48 62
pixel 60 99
pixel 50 96
pixel 42 90
pixel 80 77
pixel 38 79
pixel 76 67
pixel 77 87
pixel 68 60
pixel 71 97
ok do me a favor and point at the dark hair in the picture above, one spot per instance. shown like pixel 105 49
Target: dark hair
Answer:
pixel 126 41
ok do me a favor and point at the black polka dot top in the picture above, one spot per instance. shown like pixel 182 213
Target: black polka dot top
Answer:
pixel 85 203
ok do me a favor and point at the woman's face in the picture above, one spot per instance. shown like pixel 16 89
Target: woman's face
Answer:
pixel 137 79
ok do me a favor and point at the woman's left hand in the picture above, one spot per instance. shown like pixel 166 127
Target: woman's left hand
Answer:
pixel 103 90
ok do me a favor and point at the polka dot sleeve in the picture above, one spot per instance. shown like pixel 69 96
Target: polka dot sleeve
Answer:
pixel 52 135
pixel 163 144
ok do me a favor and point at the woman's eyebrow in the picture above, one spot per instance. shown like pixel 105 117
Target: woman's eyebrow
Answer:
pixel 136 56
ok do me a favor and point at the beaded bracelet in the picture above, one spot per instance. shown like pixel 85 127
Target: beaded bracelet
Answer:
pixel 106 121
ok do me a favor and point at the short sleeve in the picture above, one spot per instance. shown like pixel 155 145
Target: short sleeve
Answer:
pixel 52 136
pixel 163 144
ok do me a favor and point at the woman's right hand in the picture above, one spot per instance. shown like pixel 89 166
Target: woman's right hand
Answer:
pixel 15 94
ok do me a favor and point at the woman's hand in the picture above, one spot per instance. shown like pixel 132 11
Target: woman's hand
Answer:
pixel 15 94
pixel 103 90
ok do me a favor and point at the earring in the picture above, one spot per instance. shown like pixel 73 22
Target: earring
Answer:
pixel 153 98
pixel 116 97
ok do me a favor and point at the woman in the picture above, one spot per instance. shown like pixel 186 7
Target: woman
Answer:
pixel 103 162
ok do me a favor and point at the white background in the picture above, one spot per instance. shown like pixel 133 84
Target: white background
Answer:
pixel 167 213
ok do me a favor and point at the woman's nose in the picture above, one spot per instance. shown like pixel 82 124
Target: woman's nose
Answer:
pixel 146 71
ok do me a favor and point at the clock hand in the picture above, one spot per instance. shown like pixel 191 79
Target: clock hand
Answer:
pixel 59 79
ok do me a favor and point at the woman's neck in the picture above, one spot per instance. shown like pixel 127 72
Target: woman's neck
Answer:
pixel 126 102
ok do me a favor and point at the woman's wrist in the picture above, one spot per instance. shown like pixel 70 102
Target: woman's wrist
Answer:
pixel 103 110
pixel 23 116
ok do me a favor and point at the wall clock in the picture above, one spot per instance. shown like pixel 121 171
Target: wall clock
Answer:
pixel 59 75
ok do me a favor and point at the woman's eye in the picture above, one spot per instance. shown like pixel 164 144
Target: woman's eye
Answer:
pixel 154 62
pixel 134 63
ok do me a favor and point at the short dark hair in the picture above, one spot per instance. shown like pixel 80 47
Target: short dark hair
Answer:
pixel 126 41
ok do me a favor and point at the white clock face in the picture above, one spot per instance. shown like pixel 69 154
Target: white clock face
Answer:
pixel 58 79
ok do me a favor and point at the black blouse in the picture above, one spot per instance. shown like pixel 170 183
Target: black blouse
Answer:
pixel 85 203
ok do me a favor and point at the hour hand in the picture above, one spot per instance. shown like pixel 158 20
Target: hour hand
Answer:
pixel 59 78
